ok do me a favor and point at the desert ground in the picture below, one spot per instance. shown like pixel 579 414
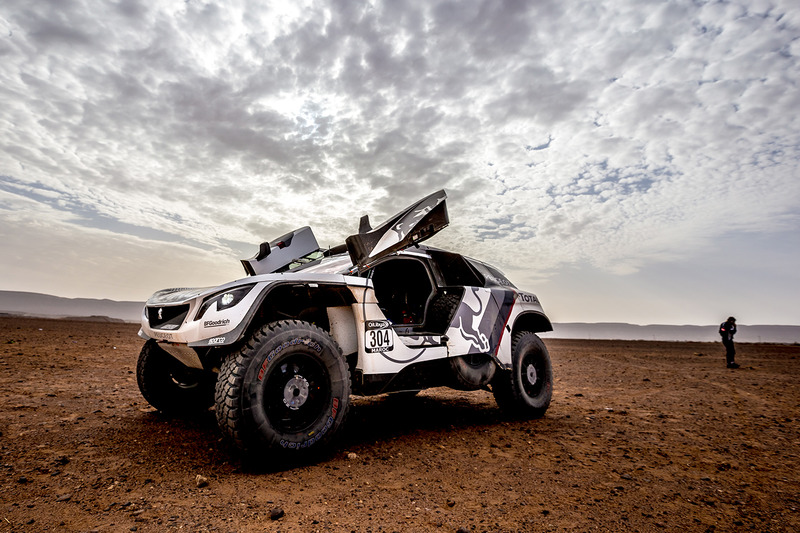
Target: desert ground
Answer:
pixel 640 436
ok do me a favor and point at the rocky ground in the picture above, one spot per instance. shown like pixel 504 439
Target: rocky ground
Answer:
pixel 641 436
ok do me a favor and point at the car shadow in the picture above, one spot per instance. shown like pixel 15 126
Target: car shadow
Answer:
pixel 390 417
pixel 376 421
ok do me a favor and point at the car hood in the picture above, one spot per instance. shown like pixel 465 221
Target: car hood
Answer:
pixel 175 296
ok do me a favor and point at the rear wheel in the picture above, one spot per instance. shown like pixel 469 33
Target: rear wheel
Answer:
pixel 169 385
pixel 527 388
pixel 288 388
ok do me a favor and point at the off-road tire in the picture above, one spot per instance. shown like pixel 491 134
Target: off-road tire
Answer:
pixel 527 388
pixel 287 389
pixel 169 385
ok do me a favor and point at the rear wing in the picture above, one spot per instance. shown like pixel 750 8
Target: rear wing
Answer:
pixel 279 253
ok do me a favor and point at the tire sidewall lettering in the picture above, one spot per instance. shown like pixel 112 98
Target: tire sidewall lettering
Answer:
pixel 270 356
pixel 277 351
pixel 253 382
pixel 299 445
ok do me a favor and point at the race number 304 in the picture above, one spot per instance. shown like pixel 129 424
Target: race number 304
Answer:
pixel 378 336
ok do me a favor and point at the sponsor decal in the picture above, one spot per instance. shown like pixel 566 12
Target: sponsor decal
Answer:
pixel 483 326
pixel 290 445
pixel 216 340
pixel 216 323
pixel 378 337
pixel 528 298
pixel 468 316
pixel 306 342
pixel 162 335
pixel 170 326
pixel 500 281
pixel 413 357
pixel 416 341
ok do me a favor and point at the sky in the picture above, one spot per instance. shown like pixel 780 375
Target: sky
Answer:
pixel 626 161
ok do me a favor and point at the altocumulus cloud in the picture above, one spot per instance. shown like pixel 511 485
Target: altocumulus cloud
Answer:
pixel 609 136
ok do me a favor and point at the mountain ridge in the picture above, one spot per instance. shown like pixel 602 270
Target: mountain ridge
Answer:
pixel 35 304
pixel 664 332
pixel 32 304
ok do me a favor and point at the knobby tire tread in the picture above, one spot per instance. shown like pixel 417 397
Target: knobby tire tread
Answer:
pixel 508 393
pixel 230 383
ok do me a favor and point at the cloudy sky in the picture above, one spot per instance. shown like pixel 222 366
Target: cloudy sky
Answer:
pixel 624 160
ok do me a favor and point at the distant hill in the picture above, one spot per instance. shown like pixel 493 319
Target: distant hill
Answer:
pixel 659 332
pixel 43 305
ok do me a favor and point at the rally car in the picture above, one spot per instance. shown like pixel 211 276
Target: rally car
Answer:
pixel 279 353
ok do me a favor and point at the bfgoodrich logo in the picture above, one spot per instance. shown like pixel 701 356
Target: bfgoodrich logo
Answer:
pixel 216 323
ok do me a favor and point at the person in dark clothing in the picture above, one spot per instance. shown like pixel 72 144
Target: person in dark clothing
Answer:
pixel 727 330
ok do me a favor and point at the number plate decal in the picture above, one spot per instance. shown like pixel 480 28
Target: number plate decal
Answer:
pixel 378 337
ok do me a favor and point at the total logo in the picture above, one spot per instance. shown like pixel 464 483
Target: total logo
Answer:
pixel 528 298
pixel 216 323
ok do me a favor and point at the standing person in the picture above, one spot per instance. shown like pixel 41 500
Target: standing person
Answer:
pixel 727 330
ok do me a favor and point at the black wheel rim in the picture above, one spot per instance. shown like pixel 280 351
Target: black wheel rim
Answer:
pixel 296 393
pixel 533 374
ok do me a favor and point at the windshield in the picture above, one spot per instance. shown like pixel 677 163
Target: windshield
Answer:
pixel 316 262
pixel 306 259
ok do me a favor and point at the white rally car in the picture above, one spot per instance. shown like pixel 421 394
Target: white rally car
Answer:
pixel 279 352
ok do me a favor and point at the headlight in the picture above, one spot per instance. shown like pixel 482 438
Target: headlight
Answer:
pixel 223 299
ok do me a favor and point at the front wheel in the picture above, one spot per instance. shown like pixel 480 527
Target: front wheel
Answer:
pixel 527 388
pixel 169 385
pixel 288 388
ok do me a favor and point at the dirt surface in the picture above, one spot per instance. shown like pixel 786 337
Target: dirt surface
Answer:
pixel 641 436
